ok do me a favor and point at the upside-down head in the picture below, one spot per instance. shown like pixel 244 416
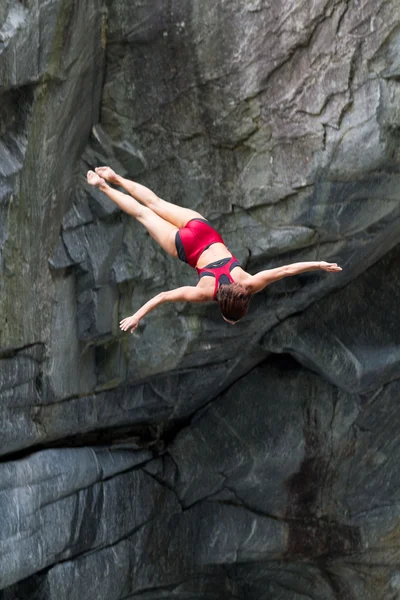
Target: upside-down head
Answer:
pixel 233 300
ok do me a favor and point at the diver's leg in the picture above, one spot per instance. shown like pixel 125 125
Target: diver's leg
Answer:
pixel 177 215
pixel 160 230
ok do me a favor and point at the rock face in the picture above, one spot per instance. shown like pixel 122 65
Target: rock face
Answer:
pixel 193 459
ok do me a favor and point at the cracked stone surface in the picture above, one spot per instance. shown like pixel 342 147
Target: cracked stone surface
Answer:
pixel 195 460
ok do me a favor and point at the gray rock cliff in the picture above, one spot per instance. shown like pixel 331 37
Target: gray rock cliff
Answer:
pixel 192 459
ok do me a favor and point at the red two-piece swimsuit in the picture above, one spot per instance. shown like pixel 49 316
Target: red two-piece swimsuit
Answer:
pixel 192 240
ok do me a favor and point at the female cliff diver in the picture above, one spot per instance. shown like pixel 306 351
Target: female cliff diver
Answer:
pixel 186 234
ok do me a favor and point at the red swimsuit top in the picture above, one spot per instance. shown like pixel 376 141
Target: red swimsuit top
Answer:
pixel 221 270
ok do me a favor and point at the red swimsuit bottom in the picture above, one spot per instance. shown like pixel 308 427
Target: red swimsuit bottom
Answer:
pixel 192 240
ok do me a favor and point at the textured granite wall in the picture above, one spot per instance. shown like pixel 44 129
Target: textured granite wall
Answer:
pixel 194 459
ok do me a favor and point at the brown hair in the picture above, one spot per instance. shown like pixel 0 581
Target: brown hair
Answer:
pixel 233 300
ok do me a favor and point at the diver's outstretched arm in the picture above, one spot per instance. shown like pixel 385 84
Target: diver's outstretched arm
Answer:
pixel 186 293
pixel 264 278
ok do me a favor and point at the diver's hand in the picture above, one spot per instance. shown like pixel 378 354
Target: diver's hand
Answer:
pixel 330 267
pixel 130 323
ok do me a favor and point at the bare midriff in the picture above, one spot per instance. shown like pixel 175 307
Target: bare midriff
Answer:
pixel 214 252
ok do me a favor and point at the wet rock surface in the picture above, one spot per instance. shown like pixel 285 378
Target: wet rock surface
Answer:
pixel 193 459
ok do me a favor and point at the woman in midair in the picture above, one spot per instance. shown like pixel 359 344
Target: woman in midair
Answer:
pixel 186 234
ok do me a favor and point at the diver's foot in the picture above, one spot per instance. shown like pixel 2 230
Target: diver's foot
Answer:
pixel 107 174
pixel 94 179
